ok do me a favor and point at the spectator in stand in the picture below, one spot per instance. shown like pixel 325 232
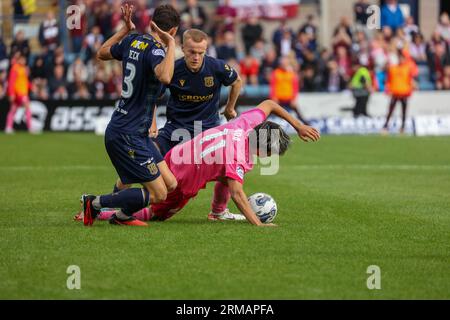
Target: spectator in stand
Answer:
pixel 418 49
pixel 344 61
pixel 284 87
pixel 116 15
pixel 227 50
pixel 39 79
pixel 344 25
pixel 81 92
pixel 49 33
pixel 341 39
pixel 439 60
pixel 104 19
pixel 77 70
pixel 92 42
pixel 361 46
pixel 251 32
pixel 388 34
pixel 99 85
pixel 302 46
pixel 333 81
pixel 286 44
pixel 18 91
pixel 249 69
pixel 212 49
pixel 410 28
pixel 142 17
pixel 267 66
pixel 77 34
pixel 259 50
pixel 400 86
pixel 20 44
pixel 443 28
pixel 57 84
pixel 436 39
pixel 360 12
pixel 225 18
pixel 19 11
pixel 309 79
pixel 4 62
pixel 114 84
pixel 310 29
pixel 392 15
pixel 196 14
pixel 279 34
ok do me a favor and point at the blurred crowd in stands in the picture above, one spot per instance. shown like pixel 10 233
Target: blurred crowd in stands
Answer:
pixel 75 73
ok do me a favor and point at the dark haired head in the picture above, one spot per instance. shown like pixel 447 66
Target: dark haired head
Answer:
pixel 166 17
pixel 271 139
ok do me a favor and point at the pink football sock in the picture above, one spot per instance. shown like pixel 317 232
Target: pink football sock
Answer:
pixel 10 117
pixel 28 118
pixel 221 198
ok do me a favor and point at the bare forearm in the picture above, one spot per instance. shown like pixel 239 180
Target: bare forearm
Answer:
pixel 234 93
pixel 270 107
pixel 164 70
pixel 241 201
pixel 104 52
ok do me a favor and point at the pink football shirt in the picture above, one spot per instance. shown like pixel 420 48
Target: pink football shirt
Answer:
pixel 222 151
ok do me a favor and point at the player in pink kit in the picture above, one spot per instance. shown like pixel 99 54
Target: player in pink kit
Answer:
pixel 224 154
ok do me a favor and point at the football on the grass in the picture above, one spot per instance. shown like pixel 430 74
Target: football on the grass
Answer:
pixel 264 206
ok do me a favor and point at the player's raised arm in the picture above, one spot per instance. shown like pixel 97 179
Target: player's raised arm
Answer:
pixel 164 70
pixel 306 133
pixel 240 199
pixel 104 53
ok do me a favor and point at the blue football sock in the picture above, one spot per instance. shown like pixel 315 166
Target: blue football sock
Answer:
pixel 129 200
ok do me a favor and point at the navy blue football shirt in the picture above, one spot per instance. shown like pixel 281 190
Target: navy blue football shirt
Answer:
pixel 195 96
pixel 140 54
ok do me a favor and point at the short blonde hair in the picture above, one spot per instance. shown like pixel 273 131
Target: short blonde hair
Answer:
pixel 195 34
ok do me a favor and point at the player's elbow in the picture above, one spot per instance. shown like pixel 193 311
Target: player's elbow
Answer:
pixel 99 56
pixel 165 79
pixel 103 54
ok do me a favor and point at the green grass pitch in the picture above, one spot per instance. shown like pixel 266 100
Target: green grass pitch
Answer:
pixel 344 203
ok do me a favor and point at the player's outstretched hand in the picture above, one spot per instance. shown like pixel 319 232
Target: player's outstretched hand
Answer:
pixel 307 133
pixel 165 37
pixel 268 225
pixel 127 12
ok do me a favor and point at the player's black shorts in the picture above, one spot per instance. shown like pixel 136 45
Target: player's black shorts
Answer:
pixel 164 139
pixel 135 157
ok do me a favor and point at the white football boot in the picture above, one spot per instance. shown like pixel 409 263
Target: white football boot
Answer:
pixel 226 215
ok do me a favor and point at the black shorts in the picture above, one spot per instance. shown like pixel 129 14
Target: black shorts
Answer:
pixel 135 157
pixel 164 139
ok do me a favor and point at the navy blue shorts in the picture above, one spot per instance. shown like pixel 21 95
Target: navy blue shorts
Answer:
pixel 164 140
pixel 135 157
